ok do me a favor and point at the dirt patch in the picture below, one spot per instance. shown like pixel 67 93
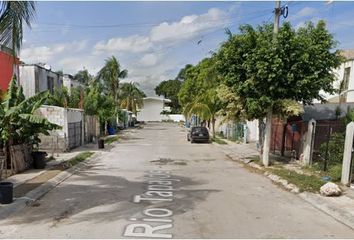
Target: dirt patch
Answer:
pixel 28 186
pixel 35 182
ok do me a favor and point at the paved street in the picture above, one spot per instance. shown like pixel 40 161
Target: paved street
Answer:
pixel 197 192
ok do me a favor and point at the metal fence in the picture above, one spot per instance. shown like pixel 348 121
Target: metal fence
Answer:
pixel 75 134
pixel 323 134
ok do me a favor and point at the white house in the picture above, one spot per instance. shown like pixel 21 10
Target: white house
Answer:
pixel 152 109
pixel 69 82
pixel 344 75
pixel 35 78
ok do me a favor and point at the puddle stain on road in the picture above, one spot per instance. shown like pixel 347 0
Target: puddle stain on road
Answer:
pixel 155 219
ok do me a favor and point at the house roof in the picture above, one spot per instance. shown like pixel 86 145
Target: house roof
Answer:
pixel 325 111
pixel 158 99
pixel 348 54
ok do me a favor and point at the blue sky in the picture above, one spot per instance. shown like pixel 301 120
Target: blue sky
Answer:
pixel 153 40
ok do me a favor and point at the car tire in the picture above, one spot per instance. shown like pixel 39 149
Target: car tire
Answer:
pixel 192 141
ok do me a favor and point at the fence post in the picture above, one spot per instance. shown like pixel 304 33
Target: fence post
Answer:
pixel 347 155
pixel 309 142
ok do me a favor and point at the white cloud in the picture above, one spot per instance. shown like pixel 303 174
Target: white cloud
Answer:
pixel 133 43
pixel 149 59
pixel 48 53
pixel 189 26
pixel 39 54
pixel 304 13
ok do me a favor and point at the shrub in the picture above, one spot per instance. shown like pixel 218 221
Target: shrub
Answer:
pixel 335 172
pixel 335 149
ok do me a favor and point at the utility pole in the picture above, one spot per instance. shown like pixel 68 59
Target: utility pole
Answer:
pixel 268 128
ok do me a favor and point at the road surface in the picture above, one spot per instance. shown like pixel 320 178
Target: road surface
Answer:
pixel 156 184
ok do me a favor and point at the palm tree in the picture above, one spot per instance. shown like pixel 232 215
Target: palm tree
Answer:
pixel 12 16
pixel 131 97
pixel 205 107
pixel 110 75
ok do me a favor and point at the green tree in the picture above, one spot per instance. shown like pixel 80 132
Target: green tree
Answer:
pixel 198 94
pixel 263 73
pixel 12 16
pixel 169 89
pixel 110 75
pixel 181 76
pixel 83 77
pixel 131 97
pixel 100 104
pixel 60 97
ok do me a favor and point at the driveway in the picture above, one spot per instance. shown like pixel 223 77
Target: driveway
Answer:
pixel 154 183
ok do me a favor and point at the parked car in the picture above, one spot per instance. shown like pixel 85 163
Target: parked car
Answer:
pixel 198 134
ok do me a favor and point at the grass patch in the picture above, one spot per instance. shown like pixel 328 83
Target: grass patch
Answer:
pixel 218 140
pixel 308 183
pixel 111 140
pixel 255 159
pixel 78 158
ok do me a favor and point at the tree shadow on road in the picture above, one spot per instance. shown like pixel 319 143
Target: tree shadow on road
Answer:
pixel 94 197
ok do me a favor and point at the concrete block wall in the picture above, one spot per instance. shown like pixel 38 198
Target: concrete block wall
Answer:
pixel 58 140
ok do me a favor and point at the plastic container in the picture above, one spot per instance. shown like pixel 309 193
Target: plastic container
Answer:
pixel 6 192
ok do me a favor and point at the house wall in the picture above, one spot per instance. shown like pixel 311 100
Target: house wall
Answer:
pixel 151 111
pixel 6 69
pixel 252 131
pixel 173 117
pixel 58 140
pixel 339 73
pixel 28 82
pixel 34 79
pixel 70 83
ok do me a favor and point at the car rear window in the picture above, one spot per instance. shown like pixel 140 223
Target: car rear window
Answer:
pixel 200 129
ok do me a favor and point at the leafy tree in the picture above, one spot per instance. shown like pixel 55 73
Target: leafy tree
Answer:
pixel 131 96
pixel 169 89
pixel 97 103
pixel 198 94
pixel 83 77
pixel 181 76
pixel 60 97
pixel 12 16
pixel 263 73
pixel 109 75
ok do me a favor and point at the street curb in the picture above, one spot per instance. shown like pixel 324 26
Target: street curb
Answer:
pixel 336 213
pixel 43 189
pixel 344 217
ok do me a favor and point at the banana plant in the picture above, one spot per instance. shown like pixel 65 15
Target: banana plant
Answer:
pixel 19 123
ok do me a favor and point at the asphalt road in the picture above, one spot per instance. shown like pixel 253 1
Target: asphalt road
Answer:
pixel 156 184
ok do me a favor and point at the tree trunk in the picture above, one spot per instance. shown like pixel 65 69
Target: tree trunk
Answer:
pixel 213 124
pixel 267 138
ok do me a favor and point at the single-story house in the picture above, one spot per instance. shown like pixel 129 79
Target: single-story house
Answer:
pixel 153 108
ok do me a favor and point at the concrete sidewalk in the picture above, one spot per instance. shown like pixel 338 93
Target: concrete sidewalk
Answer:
pixel 30 175
pixel 340 208
pixel 23 177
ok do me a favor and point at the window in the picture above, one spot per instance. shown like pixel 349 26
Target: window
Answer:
pixel 50 84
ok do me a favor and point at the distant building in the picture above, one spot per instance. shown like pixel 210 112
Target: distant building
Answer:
pixel 152 109
pixel 7 67
pixel 35 78
pixel 69 82
pixel 344 75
